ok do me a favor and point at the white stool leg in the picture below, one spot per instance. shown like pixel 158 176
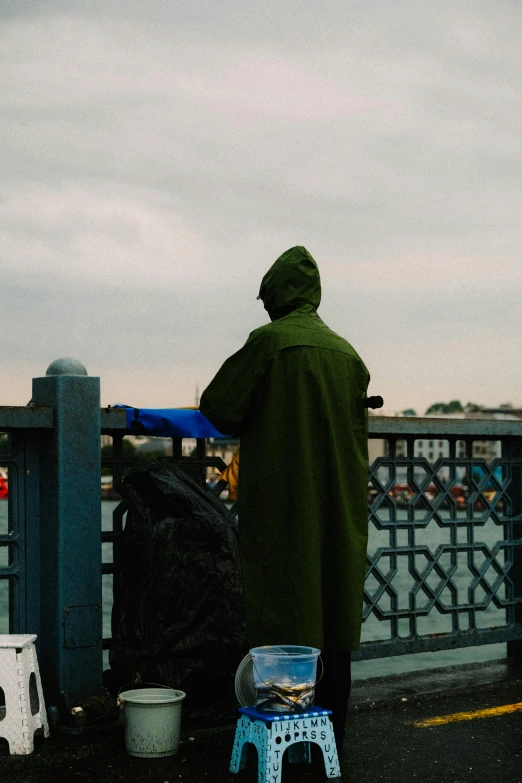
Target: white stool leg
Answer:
pixel 274 755
pixel 40 719
pixel 262 767
pixel 269 757
pixel 24 659
pixel 240 749
pixel 329 748
pixel 15 727
pixel 19 675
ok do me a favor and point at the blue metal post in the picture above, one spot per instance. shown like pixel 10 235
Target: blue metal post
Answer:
pixel 70 588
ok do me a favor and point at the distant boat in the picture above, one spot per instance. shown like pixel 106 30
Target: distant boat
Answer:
pixel 107 490
pixel 3 484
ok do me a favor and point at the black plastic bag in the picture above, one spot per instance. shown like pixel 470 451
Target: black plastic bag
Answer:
pixel 178 605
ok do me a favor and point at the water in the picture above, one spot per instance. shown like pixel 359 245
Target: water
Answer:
pixel 432 536
pixel 284 696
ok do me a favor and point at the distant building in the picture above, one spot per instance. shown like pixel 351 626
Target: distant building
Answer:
pixel 433 449
pixel 154 446
pixel 224 447
pixel 511 412
pixel 145 444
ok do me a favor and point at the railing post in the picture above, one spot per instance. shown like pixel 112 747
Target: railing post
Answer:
pixel 514 649
pixel 70 646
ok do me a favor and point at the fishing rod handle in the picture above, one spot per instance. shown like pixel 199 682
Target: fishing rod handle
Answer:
pixel 373 402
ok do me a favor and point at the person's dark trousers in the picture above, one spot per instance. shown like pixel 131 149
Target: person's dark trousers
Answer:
pixel 333 692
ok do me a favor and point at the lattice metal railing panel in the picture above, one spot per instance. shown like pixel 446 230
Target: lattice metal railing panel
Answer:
pixel 18 549
pixel 443 542
pixel 8 545
pixel 444 565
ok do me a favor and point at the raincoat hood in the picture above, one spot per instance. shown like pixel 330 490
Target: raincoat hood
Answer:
pixel 293 280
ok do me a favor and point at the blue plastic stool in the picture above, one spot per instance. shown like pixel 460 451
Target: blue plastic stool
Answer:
pixel 272 733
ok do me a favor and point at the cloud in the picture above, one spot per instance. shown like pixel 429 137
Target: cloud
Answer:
pixel 92 230
pixel 157 158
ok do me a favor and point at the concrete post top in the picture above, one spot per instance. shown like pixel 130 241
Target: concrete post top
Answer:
pixel 66 366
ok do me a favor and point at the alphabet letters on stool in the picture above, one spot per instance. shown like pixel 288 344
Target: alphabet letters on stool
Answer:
pixel 273 733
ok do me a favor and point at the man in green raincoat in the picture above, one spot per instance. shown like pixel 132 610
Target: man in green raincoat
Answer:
pixel 295 393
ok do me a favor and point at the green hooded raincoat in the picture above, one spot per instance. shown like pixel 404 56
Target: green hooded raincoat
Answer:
pixel 294 393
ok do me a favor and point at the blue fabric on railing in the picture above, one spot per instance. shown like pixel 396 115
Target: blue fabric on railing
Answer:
pixel 169 422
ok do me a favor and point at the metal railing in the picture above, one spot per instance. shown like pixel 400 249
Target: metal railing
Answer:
pixel 51 531
pixel 445 553
pixel 445 545
pixel 19 525
pixel 444 570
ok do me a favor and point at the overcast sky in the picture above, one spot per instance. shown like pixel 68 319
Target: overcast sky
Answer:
pixel 157 157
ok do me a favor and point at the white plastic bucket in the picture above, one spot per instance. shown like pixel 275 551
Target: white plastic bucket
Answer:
pixel 152 721
pixel 284 677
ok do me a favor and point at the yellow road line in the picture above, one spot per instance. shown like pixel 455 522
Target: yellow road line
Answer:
pixel 459 716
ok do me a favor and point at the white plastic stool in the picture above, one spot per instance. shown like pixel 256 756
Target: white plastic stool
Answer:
pixel 273 733
pixel 24 701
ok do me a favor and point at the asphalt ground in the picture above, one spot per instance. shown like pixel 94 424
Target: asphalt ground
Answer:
pixel 383 743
